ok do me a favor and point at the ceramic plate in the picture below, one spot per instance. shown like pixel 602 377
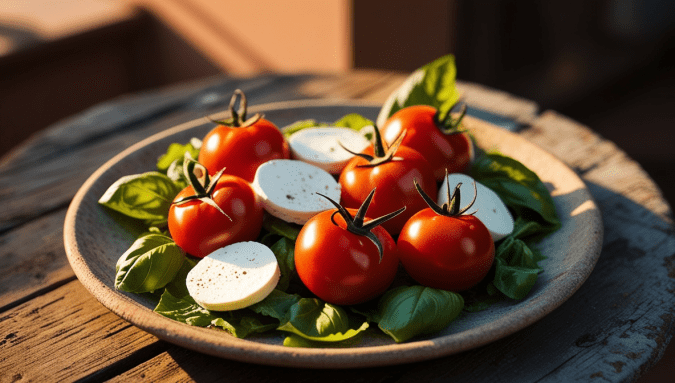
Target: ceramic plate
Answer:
pixel 94 240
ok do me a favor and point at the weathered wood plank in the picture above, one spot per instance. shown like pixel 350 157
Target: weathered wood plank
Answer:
pixel 135 111
pixel 598 161
pixel 28 266
pixel 634 279
pixel 182 365
pixel 66 335
pixel 359 84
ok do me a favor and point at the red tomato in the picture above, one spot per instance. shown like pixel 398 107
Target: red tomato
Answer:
pixel 443 151
pixel 394 182
pixel 199 228
pixel 341 267
pixel 240 150
pixel 448 253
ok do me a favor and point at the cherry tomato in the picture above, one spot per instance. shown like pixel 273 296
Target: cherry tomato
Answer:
pixel 443 151
pixel 199 228
pixel 394 182
pixel 342 267
pixel 240 145
pixel 448 251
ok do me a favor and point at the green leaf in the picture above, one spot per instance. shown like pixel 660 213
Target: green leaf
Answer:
pixel 521 190
pixel 276 305
pixel 293 340
pixel 146 196
pixel 178 287
pixel 284 250
pixel 432 84
pixel 184 310
pixel 516 268
pixel 353 121
pixel 280 227
pixel 176 152
pixel 300 125
pixel 315 320
pixel 241 325
pixel 151 263
pixel 406 312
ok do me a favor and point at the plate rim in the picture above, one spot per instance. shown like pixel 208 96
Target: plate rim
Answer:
pixel 229 347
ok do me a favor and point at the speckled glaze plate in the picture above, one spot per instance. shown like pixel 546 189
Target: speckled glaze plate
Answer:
pixel 94 240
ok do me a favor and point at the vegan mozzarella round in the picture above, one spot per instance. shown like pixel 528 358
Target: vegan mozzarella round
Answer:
pixel 489 207
pixel 287 189
pixel 234 276
pixel 321 146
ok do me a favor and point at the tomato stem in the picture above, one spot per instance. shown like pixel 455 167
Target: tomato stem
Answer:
pixel 238 119
pixel 449 125
pixel 452 207
pixel 382 152
pixel 356 224
pixel 198 178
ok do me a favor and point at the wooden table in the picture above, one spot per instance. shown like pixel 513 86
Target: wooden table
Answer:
pixel 614 328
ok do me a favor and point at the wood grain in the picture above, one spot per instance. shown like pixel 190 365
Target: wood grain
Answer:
pixel 28 266
pixel 66 335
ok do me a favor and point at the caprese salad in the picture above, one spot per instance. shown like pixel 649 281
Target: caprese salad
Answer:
pixel 320 230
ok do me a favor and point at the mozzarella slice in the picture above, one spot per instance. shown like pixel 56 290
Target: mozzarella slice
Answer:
pixel 488 206
pixel 234 276
pixel 287 189
pixel 320 146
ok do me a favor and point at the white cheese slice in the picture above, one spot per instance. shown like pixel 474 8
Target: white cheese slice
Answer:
pixel 287 189
pixel 320 146
pixel 234 276
pixel 489 207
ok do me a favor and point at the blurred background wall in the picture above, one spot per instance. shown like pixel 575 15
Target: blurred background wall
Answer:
pixel 606 63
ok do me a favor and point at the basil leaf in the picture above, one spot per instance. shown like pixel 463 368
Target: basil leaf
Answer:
pixel 521 190
pixel 184 310
pixel 300 125
pixel 353 121
pixel 241 325
pixel 315 320
pixel 276 305
pixel 151 263
pixel 176 152
pixel 146 196
pixel 516 268
pixel 406 312
pixel 284 250
pixel 280 227
pixel 473 303
pixel 178 286
pixel 432 84
pixel 294 340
